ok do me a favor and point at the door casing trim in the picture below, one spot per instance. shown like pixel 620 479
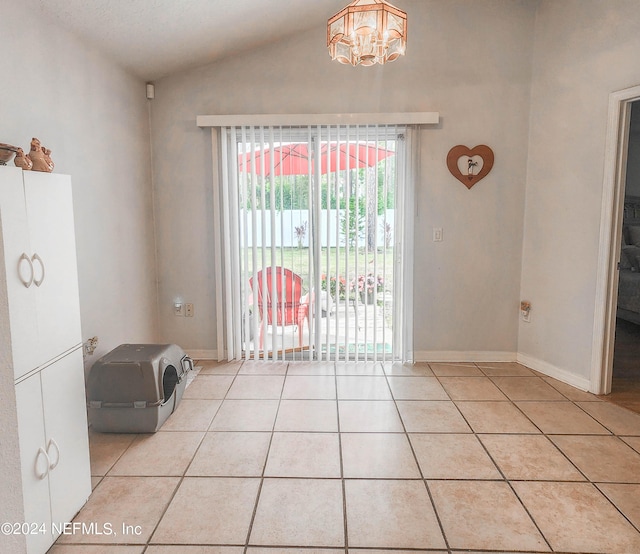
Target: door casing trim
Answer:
pixel 610 238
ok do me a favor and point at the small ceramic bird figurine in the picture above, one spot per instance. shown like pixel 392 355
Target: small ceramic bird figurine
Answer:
pixel 47 158
pixel 37 157
pixel 22 161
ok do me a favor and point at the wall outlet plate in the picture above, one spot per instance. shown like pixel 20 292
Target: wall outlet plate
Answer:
pixel 90 346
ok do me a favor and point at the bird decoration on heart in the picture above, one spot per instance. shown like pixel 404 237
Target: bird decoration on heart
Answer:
pixel 469 165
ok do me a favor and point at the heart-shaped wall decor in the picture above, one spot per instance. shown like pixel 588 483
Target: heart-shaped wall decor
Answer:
pixel 468 158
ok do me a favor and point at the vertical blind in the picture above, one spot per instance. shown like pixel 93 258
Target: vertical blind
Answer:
pixel 313 231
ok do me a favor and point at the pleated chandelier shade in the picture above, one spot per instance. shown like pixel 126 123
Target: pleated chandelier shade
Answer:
pixel 367 32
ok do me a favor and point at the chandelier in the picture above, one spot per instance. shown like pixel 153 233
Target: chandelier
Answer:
pixel 367 32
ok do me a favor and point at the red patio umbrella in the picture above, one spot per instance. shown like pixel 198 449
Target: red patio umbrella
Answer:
pixel 297 158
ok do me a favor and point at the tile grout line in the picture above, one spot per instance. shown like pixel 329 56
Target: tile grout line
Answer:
pixel 342 478
pixel 415 459
pixel 542 433
pixel 504 478
pixel 595 485
pixel 264 467
pixel 508 481
pixel 182 477
pixel 548 437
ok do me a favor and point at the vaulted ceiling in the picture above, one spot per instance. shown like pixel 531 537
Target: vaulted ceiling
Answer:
pixel 155 38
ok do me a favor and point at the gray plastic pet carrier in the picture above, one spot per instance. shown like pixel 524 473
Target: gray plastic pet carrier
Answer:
pixel 135 387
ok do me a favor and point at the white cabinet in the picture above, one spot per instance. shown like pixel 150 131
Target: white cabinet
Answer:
pixel 18 267
pixel 54 447
pixel 37 256
pixel 40 264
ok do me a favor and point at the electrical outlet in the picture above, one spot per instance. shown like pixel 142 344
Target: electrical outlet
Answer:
pixel 90 346
pixel 178 309
pixel 437 234
pixel 188 310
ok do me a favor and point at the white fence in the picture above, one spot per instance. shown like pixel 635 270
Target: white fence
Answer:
pixel 285 223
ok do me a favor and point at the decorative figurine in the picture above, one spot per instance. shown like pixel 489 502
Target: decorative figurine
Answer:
pixel 22 160
pixel 47 157
pixel 38 158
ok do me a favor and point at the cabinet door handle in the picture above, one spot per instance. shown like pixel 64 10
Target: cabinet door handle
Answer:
pixel 37 258
pixel 26 282
pixel 53 443
pixel 42 474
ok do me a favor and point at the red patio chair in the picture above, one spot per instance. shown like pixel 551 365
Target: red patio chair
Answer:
pixel 284 307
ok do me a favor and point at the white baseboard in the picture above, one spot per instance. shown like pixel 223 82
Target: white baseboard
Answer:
pixel 489 356
pixel 202 354
pixel 557 373
pixel 467 356
pixel 456 356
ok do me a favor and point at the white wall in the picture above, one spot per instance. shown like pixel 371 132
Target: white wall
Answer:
pixel 584 50
pixel 94 117
pixel 468 59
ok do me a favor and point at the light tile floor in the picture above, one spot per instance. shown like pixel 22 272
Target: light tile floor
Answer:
pixel 324 458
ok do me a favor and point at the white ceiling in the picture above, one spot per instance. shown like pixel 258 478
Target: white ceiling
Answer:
pixel 154 38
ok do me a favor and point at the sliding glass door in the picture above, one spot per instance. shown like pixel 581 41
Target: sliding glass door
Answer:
pixel 312 227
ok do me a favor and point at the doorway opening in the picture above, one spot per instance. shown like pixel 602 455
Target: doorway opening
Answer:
pixel 618 217
pixel 625 382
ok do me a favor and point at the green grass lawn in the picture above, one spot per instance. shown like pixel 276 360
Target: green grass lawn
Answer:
pixel 333 262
